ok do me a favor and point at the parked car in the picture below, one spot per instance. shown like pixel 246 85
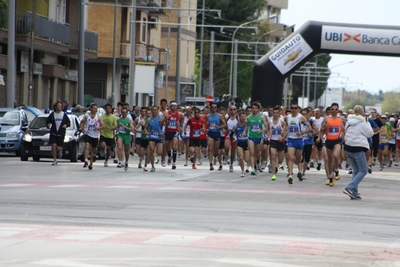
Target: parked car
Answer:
pixel 36 140
pixel 13 124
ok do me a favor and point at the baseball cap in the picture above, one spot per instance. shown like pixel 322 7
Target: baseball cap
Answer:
pixel 392 119
pixel 384 116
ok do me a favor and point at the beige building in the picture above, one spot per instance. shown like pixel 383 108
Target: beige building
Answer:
pixel 55 52
pixel 155 53
pixel 272 12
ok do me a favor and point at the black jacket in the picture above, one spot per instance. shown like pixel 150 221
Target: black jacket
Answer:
pixel 61 130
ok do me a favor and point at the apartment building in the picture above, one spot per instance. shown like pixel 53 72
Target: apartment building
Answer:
pixel 272 12
pixel 55 52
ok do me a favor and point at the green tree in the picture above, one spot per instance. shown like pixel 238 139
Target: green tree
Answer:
pixel 234 13
pixel 3 13
pixel 391 102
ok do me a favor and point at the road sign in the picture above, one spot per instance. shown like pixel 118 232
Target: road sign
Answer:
pixel 209 99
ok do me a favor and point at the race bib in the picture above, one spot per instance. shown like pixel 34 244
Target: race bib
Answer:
pixel 121 129
pixel 155 134
pixel 255 128
pixel 213 126
pixel 293 129
pixel 172 124
pixel 196 133
pixel 333 130
pixel 383 137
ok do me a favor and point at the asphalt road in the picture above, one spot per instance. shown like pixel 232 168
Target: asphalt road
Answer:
pixel 70 216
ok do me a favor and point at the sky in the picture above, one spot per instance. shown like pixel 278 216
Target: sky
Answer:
pixel 370 73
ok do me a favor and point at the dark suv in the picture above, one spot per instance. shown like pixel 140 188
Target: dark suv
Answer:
pixel 36 140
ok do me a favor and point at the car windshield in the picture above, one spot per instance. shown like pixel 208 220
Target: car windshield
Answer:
pixel 38 123
pixel 10 118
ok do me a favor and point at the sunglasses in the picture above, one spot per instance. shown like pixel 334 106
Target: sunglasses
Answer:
pixel 213 107
pixel 334 109
pixel 294 107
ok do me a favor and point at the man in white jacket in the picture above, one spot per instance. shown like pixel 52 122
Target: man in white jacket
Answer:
pixel 356 144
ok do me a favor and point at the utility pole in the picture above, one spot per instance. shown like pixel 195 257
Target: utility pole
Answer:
pixel 114 55
pixel 32 50
pixel 81 60
pixel 11 55
pixel 178 60
pixel 132 95
pixel 201 50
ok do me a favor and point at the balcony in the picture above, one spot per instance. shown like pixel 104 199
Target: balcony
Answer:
pixel 91 40
pixel 145 53
pixel 45 28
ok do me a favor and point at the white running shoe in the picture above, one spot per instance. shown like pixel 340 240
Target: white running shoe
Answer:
pixel 105 164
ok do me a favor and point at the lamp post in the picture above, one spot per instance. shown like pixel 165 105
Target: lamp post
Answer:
pixel 232 52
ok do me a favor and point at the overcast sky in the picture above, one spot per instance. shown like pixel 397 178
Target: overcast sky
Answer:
pixel 368 73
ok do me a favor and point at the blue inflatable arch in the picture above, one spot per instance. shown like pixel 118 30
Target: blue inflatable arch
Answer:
pixel 315 38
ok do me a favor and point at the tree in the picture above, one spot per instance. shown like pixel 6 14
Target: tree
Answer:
pixel 3 13
pixel 391 102
pixel 234 13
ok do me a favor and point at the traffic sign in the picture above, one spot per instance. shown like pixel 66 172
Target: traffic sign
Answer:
pixel 209 99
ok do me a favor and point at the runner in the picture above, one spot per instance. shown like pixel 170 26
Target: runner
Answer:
pixel 174 126
pixel 256 126
pixel 308 141
pixel 138 133
pixel 107 134
pixel 230 145
pixel 384 134
pixel 333 128
pixel 278 134
pixel 216 122
pixel 125 127
pixel 317 146
pixel 144 139
pixel 91 125
pixel 238 132
pixel 195 126
pixel 185 138
pixel 295 143
pixel 156 134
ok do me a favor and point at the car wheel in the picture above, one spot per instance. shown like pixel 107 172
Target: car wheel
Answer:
pixel 36 158
pixel 74 154
pixel 24 158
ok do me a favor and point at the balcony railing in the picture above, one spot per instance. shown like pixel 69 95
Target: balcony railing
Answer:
pixel 145 53
pixel 91 40
pixel 45 28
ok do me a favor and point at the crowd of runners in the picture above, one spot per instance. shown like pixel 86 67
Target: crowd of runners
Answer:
pixel 258 139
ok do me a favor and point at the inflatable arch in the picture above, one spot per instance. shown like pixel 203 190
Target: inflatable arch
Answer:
pixel 315 38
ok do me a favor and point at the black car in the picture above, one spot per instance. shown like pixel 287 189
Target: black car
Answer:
pixel 36 140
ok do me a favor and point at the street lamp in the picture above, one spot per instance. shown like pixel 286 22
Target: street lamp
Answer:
pixel 232 52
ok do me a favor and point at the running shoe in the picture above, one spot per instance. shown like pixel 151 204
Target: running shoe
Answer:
pixel 115 160
pixel 264 165
pixel 157 160
pixel 231 168
pixel 55 163
pixel 199 162
pixel 163 163
pixel 304 176
pixel 185 164
pixel 220 168
pixel 269 168
pixel 191 159
pixel 390 163
pixel 94 158
pixel 337 176
pixel 290 179
pixel 120 165
pixel 153 169
pixel 105 163
pixel 85 164
pixel 273 177
pixel 242 175
pixel 350 171
pixel 173 166
pixel 179 155
pixel 126 166
pixel 90 166
pixel 381 168
pixel 247 169
pixel 318 167
pixel 369 169
pixel 225 160
pixel 215 161
pixel 211 167
pixel 169 161
pixel 281 167
pixel 331 182
pixel 396 164
pixel 194 167
pixel 374 162
pixel 139 166
pixel 300 176
pixel 145 168
pixel 253 172
pixel 312 164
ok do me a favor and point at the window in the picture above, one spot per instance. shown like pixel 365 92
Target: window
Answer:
pixel 144 27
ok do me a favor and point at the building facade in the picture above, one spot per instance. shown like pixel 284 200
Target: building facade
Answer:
pixel 52 52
